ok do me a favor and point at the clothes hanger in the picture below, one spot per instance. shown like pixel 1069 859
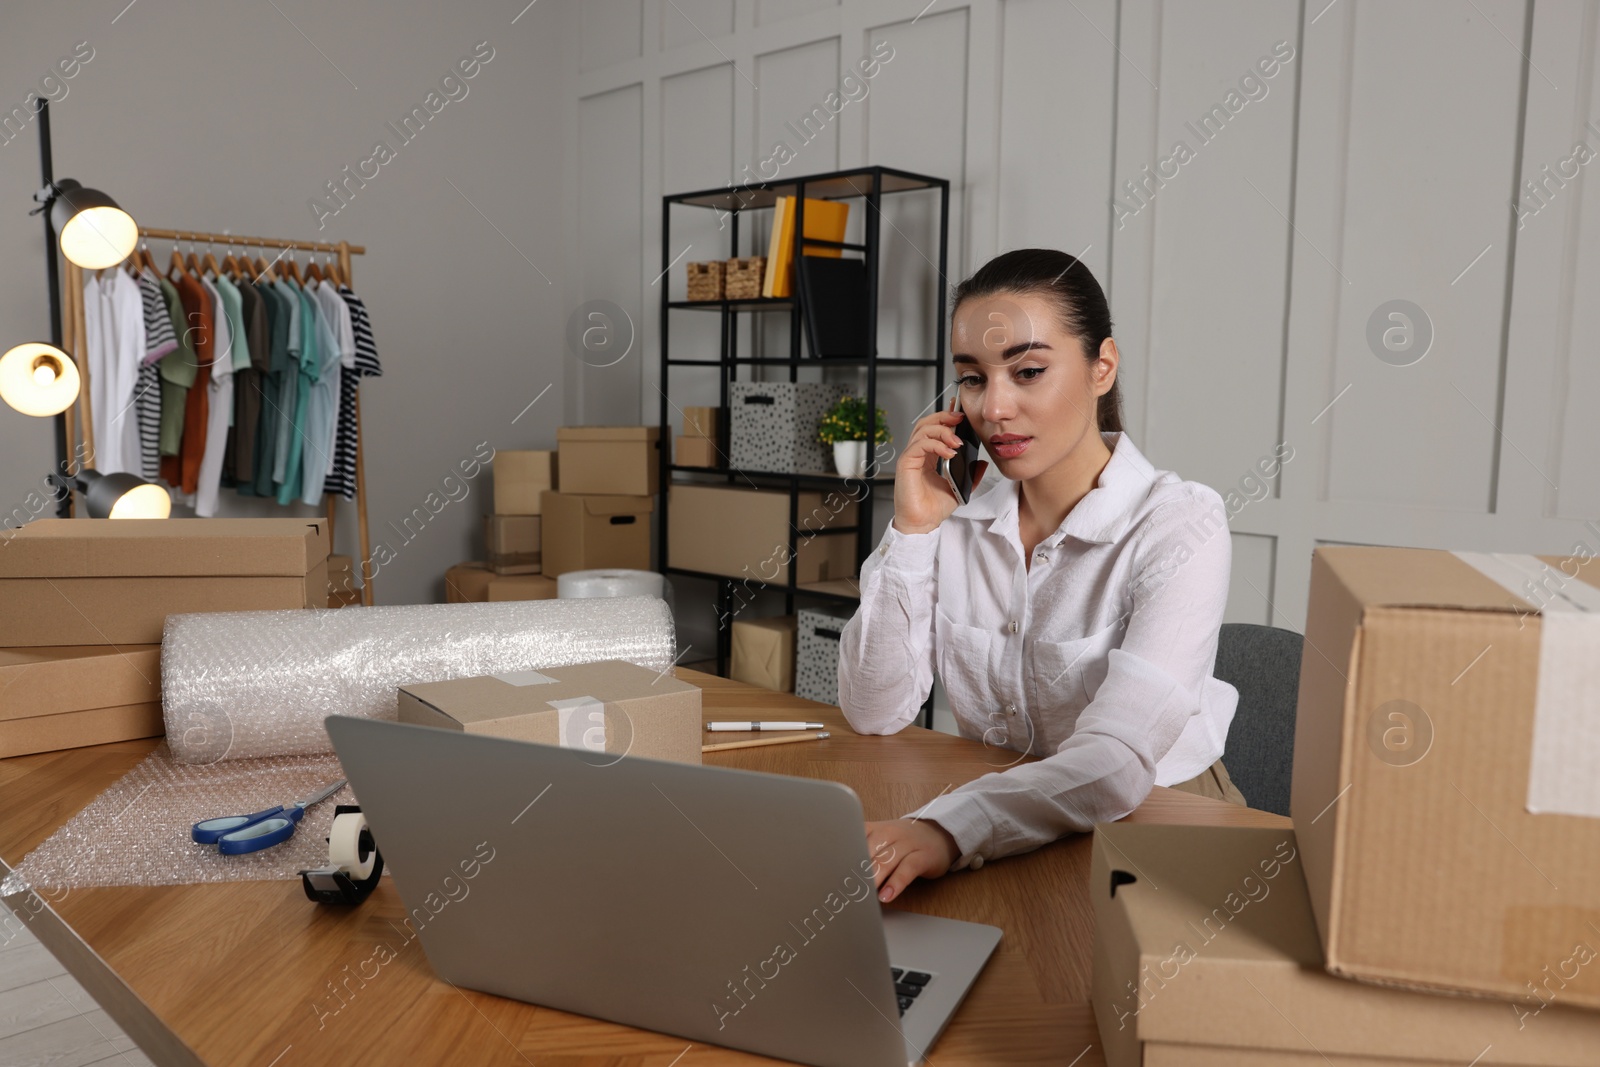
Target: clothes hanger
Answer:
pixel 313 272
pixel 246 270
pixel 332 269
pixel 291 269
pixel 175 267
pixel 210 261
pixel 192 262
pixel 230 264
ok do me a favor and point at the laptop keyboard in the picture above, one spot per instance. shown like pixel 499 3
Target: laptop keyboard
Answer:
pixel 908 985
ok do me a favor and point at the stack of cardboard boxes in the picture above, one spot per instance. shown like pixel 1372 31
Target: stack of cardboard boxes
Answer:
pixel 86 601
pixel 601 516
pixel 586 506
pixel 697 447
pixel 1435 901
pixel 512 534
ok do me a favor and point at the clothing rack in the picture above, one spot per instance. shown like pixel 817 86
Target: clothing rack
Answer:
pixel 76 334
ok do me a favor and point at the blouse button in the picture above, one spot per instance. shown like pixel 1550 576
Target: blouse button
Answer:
pixel 1012 626
pixel 1011 709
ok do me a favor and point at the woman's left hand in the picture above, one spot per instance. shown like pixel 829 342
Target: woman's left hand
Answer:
pixel 906 849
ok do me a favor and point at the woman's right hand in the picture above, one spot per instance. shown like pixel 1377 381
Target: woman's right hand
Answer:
pixel 922 498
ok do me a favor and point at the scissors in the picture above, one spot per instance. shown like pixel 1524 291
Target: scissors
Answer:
pixel 235 835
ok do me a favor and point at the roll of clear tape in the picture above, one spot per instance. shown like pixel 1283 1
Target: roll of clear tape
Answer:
pixel 610 583
pixel 344 846
pixel 249 684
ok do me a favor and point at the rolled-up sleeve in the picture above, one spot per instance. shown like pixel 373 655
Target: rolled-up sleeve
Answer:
pixel 886 650
pixel 1152 688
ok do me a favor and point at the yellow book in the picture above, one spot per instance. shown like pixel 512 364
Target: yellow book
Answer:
pixel 825 221
pixel 778 239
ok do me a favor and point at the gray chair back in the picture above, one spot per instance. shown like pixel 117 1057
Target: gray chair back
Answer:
pixel 1263 664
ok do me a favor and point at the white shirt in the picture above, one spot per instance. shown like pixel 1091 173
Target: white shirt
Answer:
pixel 113 313
pixel 1098 657
pixel 219 413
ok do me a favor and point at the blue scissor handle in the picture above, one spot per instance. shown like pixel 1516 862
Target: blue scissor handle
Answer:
pixel 209 831
pixel 260 835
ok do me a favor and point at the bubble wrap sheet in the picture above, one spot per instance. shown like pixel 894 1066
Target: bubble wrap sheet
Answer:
pixel 251 684
pixel 137 831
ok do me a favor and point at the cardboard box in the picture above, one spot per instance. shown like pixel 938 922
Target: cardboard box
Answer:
pixel 587 532
pixel 763 653
pixel 610 460
pixel 109 581
pixel 521 587
pixel 610 706
pixel 702 422
pixel 1206 952
pixel 521 479
pixel 60 679
pixel 1445 754
pixel 743 533
pixel 512 543
pixel 342 588
pixel 467 583
pixel 77 729
pixel 696 452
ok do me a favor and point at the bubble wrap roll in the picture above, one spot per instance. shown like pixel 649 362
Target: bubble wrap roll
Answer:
pixel 248 684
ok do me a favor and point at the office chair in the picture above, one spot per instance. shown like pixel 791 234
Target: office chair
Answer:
pixel 1263 664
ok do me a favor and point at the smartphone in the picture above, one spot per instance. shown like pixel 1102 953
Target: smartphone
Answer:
pixel 957 470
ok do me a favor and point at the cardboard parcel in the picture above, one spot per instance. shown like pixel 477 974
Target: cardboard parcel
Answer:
pixel 1206 955
pixel 1446 787
pixel 115 581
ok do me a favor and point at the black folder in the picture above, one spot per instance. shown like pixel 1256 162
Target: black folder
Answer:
pixel 833 293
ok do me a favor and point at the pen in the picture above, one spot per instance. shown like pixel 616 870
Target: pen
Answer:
pixel 764 725
pixel 763 741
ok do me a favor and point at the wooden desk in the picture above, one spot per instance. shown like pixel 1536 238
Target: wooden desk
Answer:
pixel 229 974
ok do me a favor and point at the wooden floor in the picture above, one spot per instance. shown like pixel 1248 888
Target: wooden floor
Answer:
pixel 45 1016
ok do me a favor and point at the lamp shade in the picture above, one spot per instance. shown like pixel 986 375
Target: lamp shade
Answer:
pixel 94 232
pixel 38 379
pixel 122 496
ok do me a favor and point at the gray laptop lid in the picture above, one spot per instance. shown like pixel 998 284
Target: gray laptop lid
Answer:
pixel 724 906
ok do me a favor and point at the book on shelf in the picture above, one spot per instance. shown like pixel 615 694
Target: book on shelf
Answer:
pixel 833 293
pixel 825 221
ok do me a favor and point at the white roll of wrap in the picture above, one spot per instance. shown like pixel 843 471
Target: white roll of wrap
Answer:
pixel 583 585
pixel 248 684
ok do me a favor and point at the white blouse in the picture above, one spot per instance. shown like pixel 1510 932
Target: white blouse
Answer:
pixel 1098 658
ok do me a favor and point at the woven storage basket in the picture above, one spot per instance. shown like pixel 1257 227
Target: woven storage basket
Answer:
pixel 744 277
pixel 705 280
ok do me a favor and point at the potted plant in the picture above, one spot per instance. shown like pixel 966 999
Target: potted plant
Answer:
pixel 845 428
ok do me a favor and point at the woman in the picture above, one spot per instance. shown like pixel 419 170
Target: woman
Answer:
pixel 1070 611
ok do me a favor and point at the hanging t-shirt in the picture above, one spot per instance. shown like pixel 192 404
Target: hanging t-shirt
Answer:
pixel 322 416
pixel 183 470
pixel 271 379
pixel 364 365
pixel 312 332
pixel 159 340
pixel 177 374
pixel 289 382
pixel 219 402
pixel 238 463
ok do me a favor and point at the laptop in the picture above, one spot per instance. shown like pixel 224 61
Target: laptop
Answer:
pixel 723 906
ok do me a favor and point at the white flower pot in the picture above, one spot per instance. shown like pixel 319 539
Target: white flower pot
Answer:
pixel 850 458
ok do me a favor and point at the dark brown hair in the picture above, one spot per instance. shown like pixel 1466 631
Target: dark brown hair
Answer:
pixel 1078 298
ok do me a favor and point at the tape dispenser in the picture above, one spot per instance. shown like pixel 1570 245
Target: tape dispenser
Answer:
pixel 354 865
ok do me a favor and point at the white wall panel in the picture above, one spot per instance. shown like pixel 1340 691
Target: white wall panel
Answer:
pixel 609 228
pixel 696 153
pixel 1219 257
pixel 1250 591
pixel 1057 118
pixel 1430 133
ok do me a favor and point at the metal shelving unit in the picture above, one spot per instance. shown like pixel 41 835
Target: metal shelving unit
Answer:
pixel 870 184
